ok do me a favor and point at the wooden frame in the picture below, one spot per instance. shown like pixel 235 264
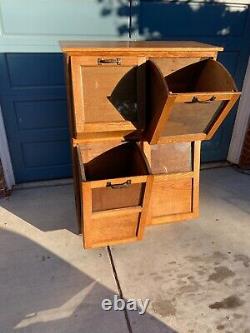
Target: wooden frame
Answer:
pixel 163 101
pixel 124 224
pixel 71 122
pixel 172 49
pixel 123 213
pixel 174 178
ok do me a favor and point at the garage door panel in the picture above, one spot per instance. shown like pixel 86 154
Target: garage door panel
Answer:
pixel 41 114
pixel 45 154
pixel 210 148
pixel 39 73
pixel 192 19
pixel 46 127
pixel 35 69
pixel 44 173
pixel 229 60
pixel 217 148
pixel 44 135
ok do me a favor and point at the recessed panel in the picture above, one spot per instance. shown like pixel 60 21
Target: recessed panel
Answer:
pixel 189 19
pixel 171 196
pixel 169 158
pixel 109 94
pixel 108 230
pixel 106 198
pixel 192 118
pixel 29 70
pixel 41 154
pixel 31 115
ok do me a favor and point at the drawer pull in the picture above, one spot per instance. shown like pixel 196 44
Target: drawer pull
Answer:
pixel 116 61
pixel 196 100
pixel 117 186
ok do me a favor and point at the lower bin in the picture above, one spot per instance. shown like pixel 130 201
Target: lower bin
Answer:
pixel 115 190
pixel 175 188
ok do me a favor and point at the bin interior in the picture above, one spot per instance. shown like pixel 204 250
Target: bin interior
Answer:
pixel 124 160
pixel 203 76
pixel 197 116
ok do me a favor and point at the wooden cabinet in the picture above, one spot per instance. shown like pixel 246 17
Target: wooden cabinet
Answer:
pixel 138 112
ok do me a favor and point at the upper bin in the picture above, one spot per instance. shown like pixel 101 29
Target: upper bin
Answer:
pixel 188 104
pixel 122 96
pixel 107 95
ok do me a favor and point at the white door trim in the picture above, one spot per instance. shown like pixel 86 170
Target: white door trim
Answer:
pixel 5 156
pixel 241 122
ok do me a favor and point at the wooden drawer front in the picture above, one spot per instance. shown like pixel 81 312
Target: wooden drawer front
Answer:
pixel 106 198
pixel 189 103
pixel 106 96
pixel 203 94
pixel 110 230
pixel 171 197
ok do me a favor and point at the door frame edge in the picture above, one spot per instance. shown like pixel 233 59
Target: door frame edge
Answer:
pixel 241 121
pixel 5 155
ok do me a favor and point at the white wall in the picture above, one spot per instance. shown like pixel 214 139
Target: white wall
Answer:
pixel 38 25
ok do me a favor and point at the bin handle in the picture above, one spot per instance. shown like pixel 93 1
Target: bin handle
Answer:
pixel 196 100
pixel 121 185
pixel 110 61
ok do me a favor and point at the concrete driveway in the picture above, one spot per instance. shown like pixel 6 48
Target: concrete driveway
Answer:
pixel 196 274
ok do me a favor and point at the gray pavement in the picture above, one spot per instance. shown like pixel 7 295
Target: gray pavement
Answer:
pixel 196 273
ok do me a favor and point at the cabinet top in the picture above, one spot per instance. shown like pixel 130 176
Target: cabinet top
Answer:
pixel 130 46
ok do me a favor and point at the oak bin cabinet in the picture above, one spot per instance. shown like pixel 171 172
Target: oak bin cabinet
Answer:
pixel 138 112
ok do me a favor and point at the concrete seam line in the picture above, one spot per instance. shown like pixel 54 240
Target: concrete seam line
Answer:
pixel 119 288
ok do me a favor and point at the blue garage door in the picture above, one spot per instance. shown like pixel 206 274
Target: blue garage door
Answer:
pixel 33 102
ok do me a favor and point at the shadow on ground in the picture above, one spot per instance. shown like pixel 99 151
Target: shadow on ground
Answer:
pixel 48 283
pixel 46 208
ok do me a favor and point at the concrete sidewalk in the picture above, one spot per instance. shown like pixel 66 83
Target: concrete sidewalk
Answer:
pixel 196 274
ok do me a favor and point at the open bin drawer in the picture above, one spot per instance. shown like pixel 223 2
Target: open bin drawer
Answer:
pixel 188 104
pixel 115 188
